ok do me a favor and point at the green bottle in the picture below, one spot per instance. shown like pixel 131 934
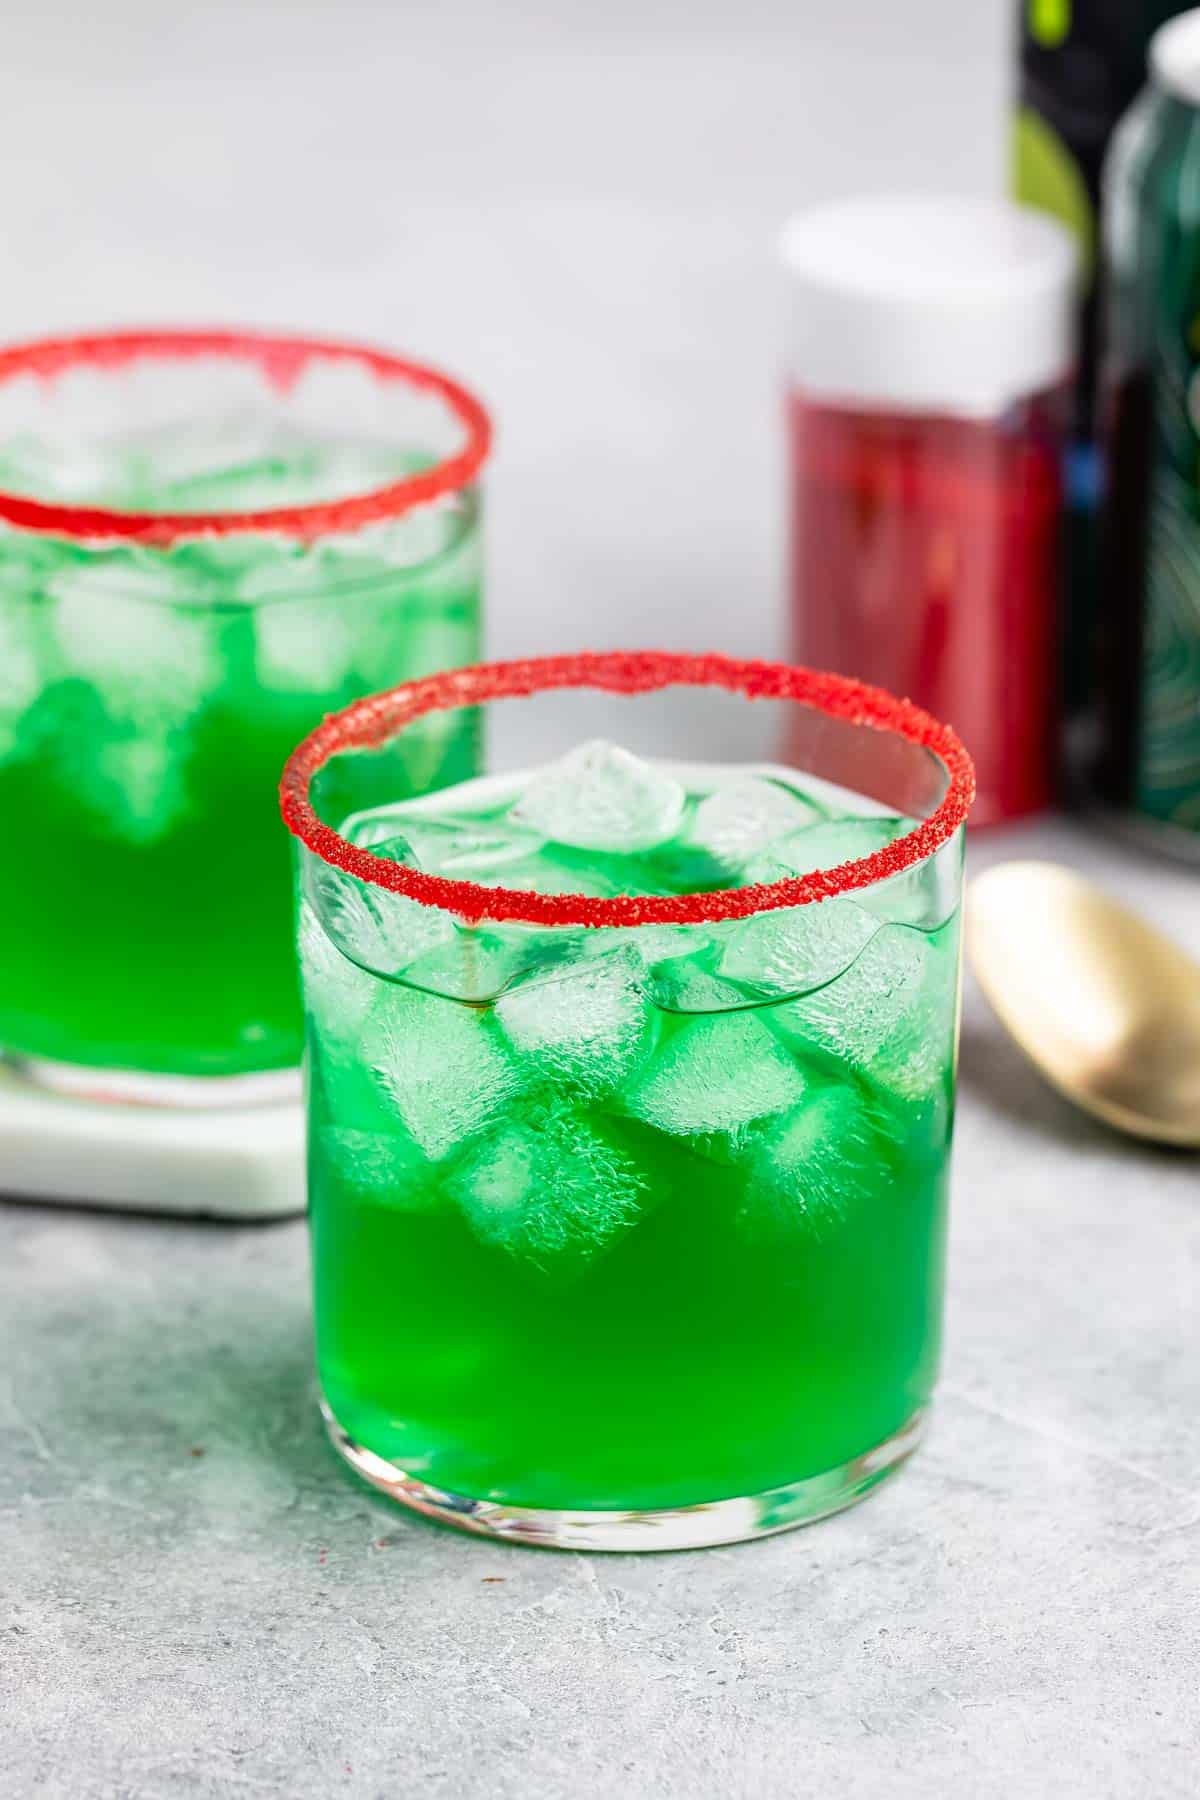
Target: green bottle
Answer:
pixel 1082 64
pixel 1148 764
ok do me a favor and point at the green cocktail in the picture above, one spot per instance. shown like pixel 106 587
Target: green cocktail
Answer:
pixel 206 543
pixel 627 1182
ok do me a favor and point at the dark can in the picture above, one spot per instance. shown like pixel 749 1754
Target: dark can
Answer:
pixel 1082 63
pixel 1147 760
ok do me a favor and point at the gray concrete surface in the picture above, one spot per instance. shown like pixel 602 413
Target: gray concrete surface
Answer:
pixel 196 1601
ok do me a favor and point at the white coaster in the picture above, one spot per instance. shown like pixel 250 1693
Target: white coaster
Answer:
pixel 234 1162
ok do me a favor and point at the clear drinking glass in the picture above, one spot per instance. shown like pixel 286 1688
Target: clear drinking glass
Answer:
pixel 628 1212
pixel 207 541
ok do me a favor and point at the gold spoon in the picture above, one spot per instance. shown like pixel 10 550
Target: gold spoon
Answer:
pixel 1104 1006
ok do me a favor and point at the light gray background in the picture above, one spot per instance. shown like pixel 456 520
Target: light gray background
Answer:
pixel 574 207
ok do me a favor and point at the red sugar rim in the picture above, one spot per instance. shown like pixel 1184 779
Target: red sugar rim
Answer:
pixel 282 360
pixel 371 722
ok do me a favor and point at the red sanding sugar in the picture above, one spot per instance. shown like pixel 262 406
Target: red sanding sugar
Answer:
pixel 281 361
pixel 370 723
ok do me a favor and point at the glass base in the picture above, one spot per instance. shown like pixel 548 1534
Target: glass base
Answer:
pixel 134 1087
pixel 673 1528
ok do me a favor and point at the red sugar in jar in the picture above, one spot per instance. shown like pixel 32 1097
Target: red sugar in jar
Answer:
pixel 931 342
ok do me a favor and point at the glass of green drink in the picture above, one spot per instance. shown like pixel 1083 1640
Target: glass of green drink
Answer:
pixel 630 1091
pixel 208 540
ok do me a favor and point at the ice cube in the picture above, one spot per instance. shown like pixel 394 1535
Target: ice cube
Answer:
pixel 599 797
pixel 442 1066
pixel 427 947
pixel 375 826
pixel 425 573
pixel 676 963
pixel 714 1075
pixel 379 1168
pixel 168 466
pixel 456 845
pixel 810 1172
pixel 303 645
pixel 381 930
pixel 654 944
pixel 121 624
pixel 60 470
pixel 523 863
pixel 546 873
pixel 744 815
pixel 247 462
pixel 553 1192
pixel 136 784
pixel 20 674
pixel 683 984
pixel 926 895
pixel 824 846
pixel 892 1012
pixel 794 949
pixel 335 613
pixel 471 849
pixel 442 530
pixel 482 962
pixel 337 993
pixel 585 1023
pixel 26 559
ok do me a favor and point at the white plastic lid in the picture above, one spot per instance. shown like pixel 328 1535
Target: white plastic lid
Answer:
pixel 1175 57
pixel 929 304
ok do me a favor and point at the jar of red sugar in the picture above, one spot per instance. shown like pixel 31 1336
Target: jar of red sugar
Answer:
pixel 932 341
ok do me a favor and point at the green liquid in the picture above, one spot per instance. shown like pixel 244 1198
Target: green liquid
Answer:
pixel 146 906
pixel 686 1364
pixel 700 1259
pixel 184 964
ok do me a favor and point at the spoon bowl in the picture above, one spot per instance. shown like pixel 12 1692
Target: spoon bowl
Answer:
pixel 1102 1004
